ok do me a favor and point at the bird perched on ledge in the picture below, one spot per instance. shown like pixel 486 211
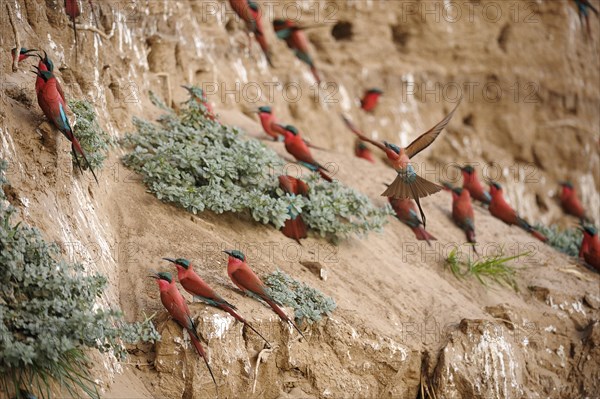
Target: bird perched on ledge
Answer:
pixel 294 227
pixel 52 103
pixel 569 202
pixel 406 212
pixel 407 183
pixel 500 209
pixel 195 285
pixel 175 304
pixel 370 99
pixel 296 146
pixel 462 212
pixel 471 183
pixel 590 247
pixel 242 276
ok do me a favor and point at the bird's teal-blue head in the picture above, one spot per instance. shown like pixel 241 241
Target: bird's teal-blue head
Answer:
pixel 166 276
pixel 179 262
pixel 468 169
pixel 234 253
pixel 375 90
pixel 265 109
pixel 291 129
pixel 253 6
pixel 393 147
pixel 591 230
pixel 567 184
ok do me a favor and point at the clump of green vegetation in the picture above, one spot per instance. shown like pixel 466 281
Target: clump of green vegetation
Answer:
pixel 566 241
pixel 309 304
pixel 49 315
pixel 94 141
pixel 494 268
pixel 200 164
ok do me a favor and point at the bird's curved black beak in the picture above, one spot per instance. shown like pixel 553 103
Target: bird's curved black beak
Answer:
pixel 228 252
pixel 29 51
pixel 170 260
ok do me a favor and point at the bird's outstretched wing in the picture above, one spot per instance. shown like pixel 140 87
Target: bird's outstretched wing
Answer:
pixel 360 135
pixel 424 140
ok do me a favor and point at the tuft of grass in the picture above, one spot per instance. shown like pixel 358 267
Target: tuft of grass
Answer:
pixel 199 164
pixel 94 141
pixel 49 315
pixel 566 241
pixel 309 304
pixel 490 268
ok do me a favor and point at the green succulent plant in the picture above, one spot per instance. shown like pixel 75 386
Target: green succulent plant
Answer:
pixel 201 164
pixel 49 314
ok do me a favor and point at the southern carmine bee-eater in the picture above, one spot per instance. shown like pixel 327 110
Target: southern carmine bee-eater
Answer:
pixel 462 212
pixel 296 40
pixel 471 183
pixel 296 146
pixel 362 151
pixel 195 285
pixel 55 109
pixel 175 304
pixel 46 64
pixel 294 227
pixel 569 201
pixel 590 247
pixel 406 212
pixel 583 9
pixel 249 11
pixel 269 123
pixel 197 94
pixel 242 276
pixel 407 183
pixel 22 54
pixel 259 32
pixel 73 10
pixel 500 209
pixel 370 99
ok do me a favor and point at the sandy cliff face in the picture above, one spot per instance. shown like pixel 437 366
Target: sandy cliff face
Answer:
pixel 529 81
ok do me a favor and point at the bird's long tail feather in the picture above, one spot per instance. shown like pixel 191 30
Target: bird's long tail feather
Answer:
pixel 422 234
pixel 282 315
pixel 239 318
pixel 325 176
pixel 76 147
pixel 202 354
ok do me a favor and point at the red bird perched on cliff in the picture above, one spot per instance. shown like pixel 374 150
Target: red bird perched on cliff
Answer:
pixel 250 13
pixel 197 94
pixel 52 103
pixel 471 183
pixel 462 212
pixel 195 285
pixel 370 99
pixel 175 304
pixel 569 201
pixel 500 209
pixel 407 183
pixel 406 212
pixel 73 11
pixel 294 37
pixel 259 32
pixel 294 227
pixel 296 146
pixel 362 151
pixel 590 247
pixel 23 53
pixel 269 123
pixel 240 273
pixel 46 64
